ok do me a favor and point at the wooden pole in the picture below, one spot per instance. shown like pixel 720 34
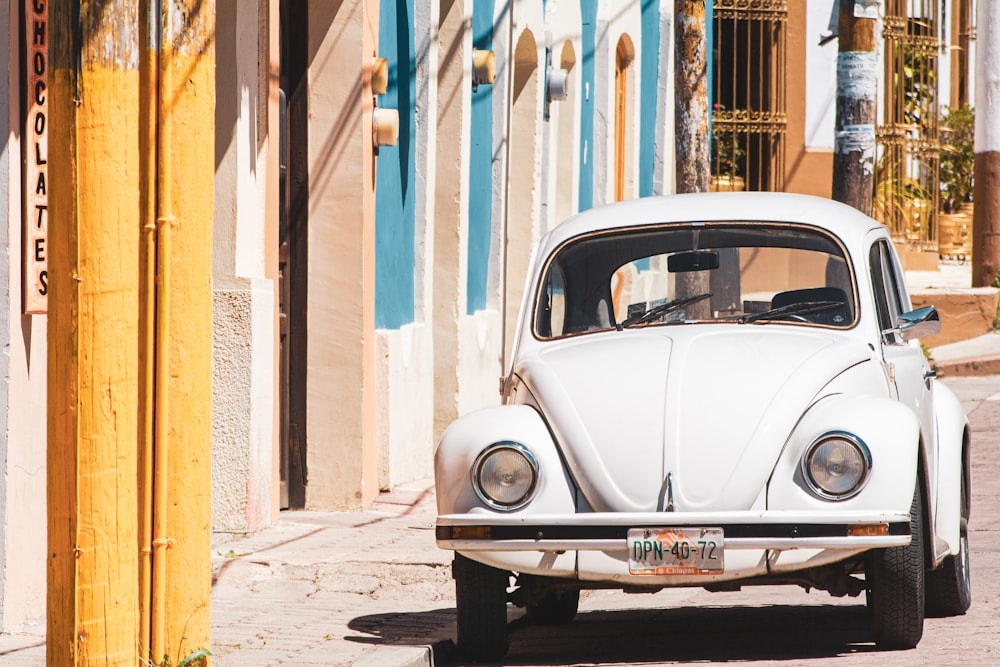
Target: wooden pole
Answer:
pixel 857 89
pixel 986 191
pixel 182 521
pixel 92 602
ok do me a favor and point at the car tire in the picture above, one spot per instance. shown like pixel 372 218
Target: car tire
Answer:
pixel 556 608
pixel 894 582
pixel 949 588
pixel 481 609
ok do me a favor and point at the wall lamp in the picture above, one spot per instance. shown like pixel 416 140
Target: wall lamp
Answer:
pixel 484 68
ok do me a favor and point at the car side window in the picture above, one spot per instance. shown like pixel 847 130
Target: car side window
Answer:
pixel 550 319
pixel 888 303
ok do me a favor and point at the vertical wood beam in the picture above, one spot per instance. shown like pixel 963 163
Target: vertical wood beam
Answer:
pixel 93 335
pixel 186 170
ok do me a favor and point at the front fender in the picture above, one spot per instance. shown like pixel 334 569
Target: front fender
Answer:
pixel 890 431
pixel 469 435
pixel 953 458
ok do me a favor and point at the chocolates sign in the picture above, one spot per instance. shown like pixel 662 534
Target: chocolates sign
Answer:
pixel 36 157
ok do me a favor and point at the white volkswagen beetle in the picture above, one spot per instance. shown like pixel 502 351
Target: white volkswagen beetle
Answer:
pixel 712 390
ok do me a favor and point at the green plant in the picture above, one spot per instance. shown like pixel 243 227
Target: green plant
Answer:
pixel 199 657
pixel 727 153
pixel 958 158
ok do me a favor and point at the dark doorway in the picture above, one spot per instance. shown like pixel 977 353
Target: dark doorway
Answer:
pixel 293 256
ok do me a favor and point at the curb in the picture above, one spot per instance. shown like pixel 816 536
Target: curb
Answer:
pixel 972 366
pixel 407 656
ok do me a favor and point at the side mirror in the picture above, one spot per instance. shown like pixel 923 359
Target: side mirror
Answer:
pixel 918 323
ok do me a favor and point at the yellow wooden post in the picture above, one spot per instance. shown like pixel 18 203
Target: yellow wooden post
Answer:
pixel 185 184
pixel 93 339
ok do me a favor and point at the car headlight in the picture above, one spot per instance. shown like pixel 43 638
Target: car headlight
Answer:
pixel 505 475
pixel 836 466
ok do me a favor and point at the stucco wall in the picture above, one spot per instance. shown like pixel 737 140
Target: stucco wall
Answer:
pixel 242 418
pixel 406 405
pixel 244 347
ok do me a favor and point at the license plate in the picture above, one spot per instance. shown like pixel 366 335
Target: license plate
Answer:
pixel 666 551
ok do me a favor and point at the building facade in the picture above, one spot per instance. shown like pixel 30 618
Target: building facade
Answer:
pixel 365 289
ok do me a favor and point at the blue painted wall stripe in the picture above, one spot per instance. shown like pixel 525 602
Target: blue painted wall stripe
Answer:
pixel 480 168
pixel 395 167
pixel 650 64
pixel 588 14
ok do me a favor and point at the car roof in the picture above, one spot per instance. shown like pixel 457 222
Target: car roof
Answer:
pixel 845 222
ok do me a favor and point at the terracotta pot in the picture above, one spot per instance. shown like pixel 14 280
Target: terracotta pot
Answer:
pixel 727 184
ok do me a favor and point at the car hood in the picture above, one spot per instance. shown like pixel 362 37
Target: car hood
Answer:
pixel 711 408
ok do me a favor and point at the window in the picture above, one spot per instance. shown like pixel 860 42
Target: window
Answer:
pixel 748 93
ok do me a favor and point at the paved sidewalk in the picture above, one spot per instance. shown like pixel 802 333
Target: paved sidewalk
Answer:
pixel 322 589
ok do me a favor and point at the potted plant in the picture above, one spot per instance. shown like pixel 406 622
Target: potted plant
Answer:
pixel 955 177
pixel 955 169
pixel 727 154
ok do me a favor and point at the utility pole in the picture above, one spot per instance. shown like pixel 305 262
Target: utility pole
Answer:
pixel 132 99
pixel 986 190
pixel 691 97
pixel 182 440
pixel 93 335
pixel 857 88
pixel 691 160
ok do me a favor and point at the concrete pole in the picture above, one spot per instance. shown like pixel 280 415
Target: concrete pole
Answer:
pixel 92 604
pixel 986 191
pixel 857 89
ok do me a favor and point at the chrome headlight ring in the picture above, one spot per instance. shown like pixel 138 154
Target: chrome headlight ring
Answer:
pixel 505 476
pixel 836 466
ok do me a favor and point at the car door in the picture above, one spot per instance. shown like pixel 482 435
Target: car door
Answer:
pixel 905 363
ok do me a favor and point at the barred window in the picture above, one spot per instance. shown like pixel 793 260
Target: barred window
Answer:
pixel 748 93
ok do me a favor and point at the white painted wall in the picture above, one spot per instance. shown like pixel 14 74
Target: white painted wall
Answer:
pixel 22 380
pixel 244 297
pixel 821 76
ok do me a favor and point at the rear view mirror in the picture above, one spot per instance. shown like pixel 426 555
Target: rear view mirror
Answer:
pixel 694 260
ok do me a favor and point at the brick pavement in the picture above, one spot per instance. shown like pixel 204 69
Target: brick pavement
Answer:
pixel 371 589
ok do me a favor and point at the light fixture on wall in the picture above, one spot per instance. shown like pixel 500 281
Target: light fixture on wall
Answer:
pixel 484 68
pixel 380 76
pixel 385 127
pixel 557 89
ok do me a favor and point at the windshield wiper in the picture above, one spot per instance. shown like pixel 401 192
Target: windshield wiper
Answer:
pixel 801 308
pixel 651 314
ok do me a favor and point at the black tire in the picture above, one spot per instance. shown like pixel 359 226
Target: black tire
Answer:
pixel 481 609
pixel 556 608
pixel 894 579
pixel 949 588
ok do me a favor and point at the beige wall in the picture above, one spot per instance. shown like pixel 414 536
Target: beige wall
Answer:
pixel 342 457
pixel 245 418
pixel 807 171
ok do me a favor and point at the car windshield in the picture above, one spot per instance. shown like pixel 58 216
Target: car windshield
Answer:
pixel 749 273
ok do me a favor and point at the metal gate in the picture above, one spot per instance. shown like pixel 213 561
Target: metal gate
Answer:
pixel 748 93
pixel 906 172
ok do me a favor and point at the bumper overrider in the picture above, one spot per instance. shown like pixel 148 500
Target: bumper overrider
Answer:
pixel 605 531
